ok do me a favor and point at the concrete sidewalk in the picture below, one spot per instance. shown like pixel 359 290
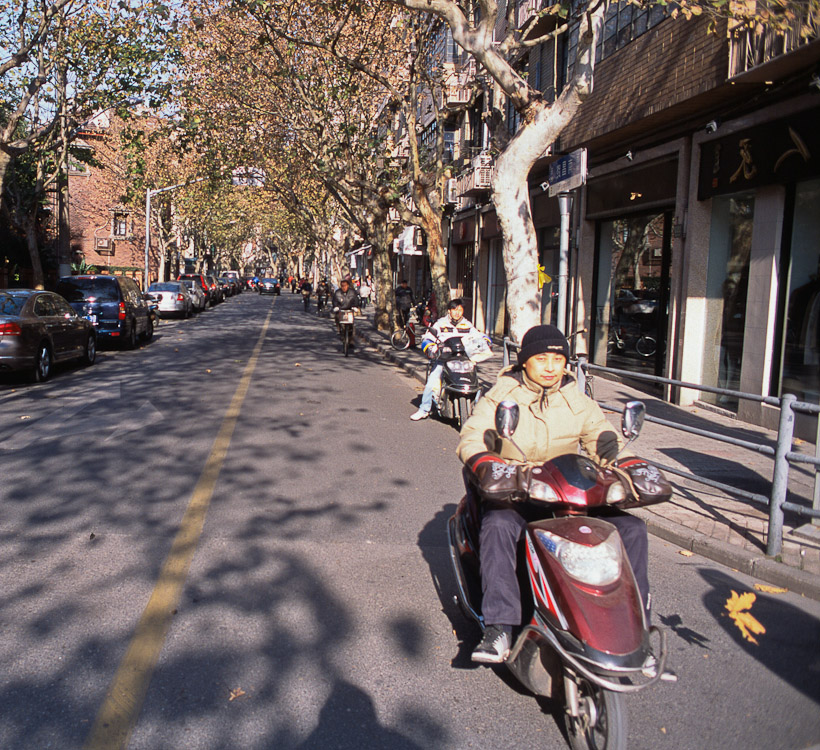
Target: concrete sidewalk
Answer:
pixel 698 518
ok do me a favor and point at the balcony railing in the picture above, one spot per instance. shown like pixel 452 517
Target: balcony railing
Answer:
pixel 478 178
pixel 752 47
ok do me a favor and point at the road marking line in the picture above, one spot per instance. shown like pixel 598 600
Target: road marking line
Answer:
pixel 123 702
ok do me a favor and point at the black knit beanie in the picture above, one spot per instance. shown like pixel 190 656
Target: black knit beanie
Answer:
pixel 541 339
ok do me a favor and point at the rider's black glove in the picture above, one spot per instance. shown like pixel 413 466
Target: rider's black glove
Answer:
pixel 646 482
pixel 496 479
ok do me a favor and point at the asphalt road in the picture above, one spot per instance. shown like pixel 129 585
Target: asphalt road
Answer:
pixel 317 608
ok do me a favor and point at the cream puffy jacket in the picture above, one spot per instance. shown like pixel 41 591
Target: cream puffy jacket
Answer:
pixel 551 423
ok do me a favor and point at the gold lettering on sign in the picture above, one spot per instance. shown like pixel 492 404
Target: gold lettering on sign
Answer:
pixel 747 167
pixel 799 150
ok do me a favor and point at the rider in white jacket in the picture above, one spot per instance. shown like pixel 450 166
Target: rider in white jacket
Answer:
pixel 454 324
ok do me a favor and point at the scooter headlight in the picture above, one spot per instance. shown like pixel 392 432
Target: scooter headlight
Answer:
pixel 544 492
pixel 460 365
pixel 616 492
pixel 598 565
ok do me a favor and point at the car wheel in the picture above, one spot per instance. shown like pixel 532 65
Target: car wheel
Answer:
pixel 90 353
pixel 131 338
pixel 149 331
pixel 42 363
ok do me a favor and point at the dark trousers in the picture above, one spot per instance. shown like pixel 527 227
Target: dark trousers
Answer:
pixel 403 315
pixel 500 532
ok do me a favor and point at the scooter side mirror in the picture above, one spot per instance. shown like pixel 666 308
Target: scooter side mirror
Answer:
pixel 506 418
pixel 632 419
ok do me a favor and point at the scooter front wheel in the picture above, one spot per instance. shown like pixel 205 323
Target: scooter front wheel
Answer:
pixel 400 340
pixel 463 412
pixel 602 722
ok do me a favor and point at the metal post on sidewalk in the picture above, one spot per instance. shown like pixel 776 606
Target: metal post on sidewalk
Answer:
pixel 582 372
pixel 780 476
pixel 816 497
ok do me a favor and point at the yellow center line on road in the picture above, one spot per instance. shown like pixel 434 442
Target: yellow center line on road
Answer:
pixel 123 702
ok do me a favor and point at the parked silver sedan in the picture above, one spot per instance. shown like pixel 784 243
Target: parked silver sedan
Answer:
pixel 172 298
pixel 38 329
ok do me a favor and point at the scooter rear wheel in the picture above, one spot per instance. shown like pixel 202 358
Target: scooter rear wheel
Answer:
pixel 602 724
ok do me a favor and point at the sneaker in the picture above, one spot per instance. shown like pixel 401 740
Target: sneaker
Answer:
pixel 650 670
pixel 494 646
pixel 420 414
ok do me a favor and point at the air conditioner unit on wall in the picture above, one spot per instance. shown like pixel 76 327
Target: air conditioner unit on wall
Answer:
pixel 484 177
pixel 452 191
pixel 103 243
pixel 482 160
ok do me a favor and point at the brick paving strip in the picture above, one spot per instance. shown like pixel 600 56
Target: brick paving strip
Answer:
pixel 697 518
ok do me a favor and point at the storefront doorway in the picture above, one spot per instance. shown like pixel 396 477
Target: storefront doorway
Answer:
pixel 632 292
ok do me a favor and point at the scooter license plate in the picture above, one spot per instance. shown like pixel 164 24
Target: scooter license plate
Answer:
pixel 92 318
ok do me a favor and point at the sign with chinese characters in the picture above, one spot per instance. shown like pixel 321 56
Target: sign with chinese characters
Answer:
pixel 568 172
pixel 248 176
pixel 783 151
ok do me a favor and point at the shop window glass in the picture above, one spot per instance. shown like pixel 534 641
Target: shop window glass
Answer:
pixel 727 285
pixel 632 292
pixel 801 350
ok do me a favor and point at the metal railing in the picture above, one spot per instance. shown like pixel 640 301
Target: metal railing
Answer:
pixel 782 454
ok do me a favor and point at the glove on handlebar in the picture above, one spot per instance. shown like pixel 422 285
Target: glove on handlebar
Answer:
pixel 647 482
pixel 498 480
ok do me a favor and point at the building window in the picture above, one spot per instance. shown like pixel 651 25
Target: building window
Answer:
pixel 632 295
pixel 801 349
pixel 120 225
pixel 624 22
pixel 727 285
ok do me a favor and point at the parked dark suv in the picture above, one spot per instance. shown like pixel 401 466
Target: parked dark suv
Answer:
pixel 114 304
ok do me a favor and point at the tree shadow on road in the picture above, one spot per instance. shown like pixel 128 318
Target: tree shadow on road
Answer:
pixel 789 634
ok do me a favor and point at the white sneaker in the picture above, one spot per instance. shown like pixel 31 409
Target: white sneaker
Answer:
pixel 419 415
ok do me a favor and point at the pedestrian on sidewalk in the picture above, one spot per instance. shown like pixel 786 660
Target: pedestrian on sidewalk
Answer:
pixel 404 302
pixel 364 292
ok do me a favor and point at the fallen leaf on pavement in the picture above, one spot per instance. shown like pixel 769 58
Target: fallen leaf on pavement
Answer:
pixel 298 364
pixel 685 553
pixel 208 371
pixel 737 606
pixel 25 416
pixel 770 589
pixel 236 693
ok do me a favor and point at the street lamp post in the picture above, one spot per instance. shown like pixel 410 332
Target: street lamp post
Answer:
pixel 565 208
pixel 148 195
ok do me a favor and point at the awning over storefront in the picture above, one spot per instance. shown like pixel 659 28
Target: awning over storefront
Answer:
pixel 356 257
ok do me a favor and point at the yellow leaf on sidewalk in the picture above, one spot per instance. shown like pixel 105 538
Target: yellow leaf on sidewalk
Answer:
pixel 685 553
pixel 237 693
pixel 766 589
pixel 737 605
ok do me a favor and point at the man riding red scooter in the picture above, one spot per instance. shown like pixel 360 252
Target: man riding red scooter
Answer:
pixel 555 417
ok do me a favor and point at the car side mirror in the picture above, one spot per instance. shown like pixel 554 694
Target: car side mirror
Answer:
pixel 506 418
pixel 632 419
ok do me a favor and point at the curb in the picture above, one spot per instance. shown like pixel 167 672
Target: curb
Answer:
pixel 730 555
pixel 737 558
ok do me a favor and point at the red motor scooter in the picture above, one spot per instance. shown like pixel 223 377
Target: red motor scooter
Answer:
pixel 585 640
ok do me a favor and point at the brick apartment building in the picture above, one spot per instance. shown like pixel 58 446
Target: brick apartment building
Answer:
pixel 106 234
pixel 694 251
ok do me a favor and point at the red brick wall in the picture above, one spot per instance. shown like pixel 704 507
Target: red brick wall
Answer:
pixel 95 196
pixel 670 64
